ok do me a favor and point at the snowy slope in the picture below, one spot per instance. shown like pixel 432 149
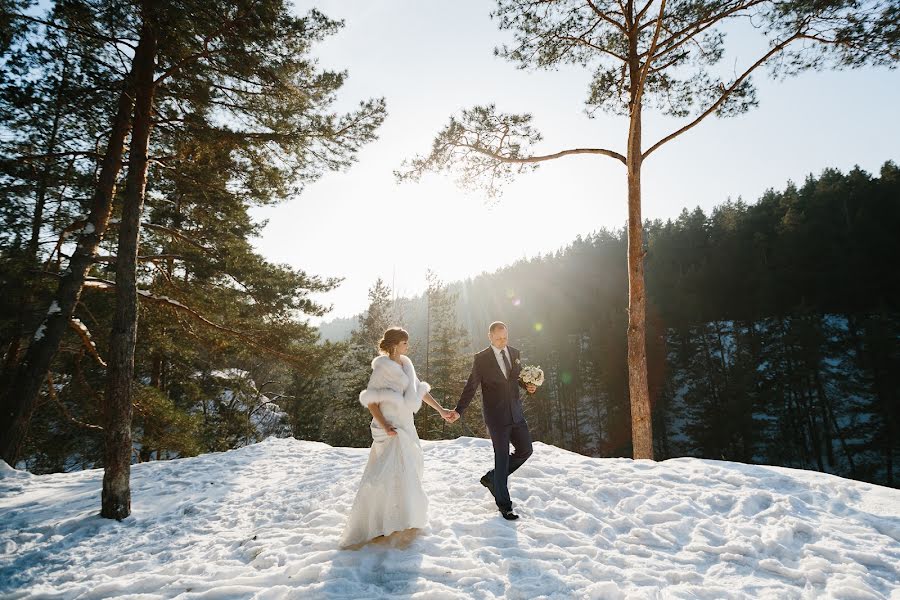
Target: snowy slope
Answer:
pixel 264 521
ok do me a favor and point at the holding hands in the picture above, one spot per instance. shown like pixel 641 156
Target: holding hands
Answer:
pixel 451 416
pixel 448 415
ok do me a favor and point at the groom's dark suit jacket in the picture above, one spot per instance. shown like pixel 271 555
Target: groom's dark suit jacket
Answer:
pixel 500 395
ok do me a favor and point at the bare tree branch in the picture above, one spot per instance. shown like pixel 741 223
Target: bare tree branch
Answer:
pixel 646 68
pixel 602 14
pixel 725 94
pixel 545 157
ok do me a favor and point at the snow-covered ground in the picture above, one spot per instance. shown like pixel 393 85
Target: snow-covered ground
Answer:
pixel 264 521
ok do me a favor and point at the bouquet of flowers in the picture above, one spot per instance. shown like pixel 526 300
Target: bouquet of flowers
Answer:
pixel 531 374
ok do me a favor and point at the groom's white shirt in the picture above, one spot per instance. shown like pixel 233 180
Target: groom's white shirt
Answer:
pixel 499 358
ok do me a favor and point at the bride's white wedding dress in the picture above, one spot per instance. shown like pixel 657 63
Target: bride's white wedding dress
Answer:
pixel 390 496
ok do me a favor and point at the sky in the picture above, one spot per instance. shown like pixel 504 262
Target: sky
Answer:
pixel 430 60
pixel 264 522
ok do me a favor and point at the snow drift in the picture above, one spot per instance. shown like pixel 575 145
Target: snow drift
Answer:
pixel 263 522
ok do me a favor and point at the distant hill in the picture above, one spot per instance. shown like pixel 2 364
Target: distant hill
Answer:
pixel 338 330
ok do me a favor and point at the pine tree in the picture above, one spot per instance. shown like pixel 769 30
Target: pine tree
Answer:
pixel 648 55
pixel 347 421
pixel 184 78
pixel 446 365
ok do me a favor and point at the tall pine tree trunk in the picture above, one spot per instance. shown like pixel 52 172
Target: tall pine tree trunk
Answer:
pixel 638 390
pixel 638 385
pixel 19 399
pixel 116 496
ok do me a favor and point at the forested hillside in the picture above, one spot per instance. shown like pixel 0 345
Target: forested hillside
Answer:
pixel 775 332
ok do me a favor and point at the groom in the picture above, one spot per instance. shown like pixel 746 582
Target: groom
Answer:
pixel 496 369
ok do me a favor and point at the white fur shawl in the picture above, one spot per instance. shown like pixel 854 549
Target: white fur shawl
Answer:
pixel 388 384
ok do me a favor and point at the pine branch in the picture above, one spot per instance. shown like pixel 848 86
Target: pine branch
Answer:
pixel 73 228
pixel 604 16
pixel 28 157
pixel 174 233
pixel 690 32
pixel 106 285
pixel 85 335
pixel 581 40
pixel 111 259
pixel 75 30
pixel 644 10
pixel 206 52
pixel 545 157
pixel 643 78
pixel 725 93
pixel 51 391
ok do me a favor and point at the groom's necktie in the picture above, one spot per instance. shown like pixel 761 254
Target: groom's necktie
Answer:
pixel 506 362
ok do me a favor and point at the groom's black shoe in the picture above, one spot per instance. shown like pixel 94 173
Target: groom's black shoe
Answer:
pixel 488 482
pixel 509 515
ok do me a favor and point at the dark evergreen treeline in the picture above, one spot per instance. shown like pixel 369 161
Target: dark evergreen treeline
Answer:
pixel 774 331
pixel 781 327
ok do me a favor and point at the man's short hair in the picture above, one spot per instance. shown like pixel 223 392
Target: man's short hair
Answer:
pixel 497 325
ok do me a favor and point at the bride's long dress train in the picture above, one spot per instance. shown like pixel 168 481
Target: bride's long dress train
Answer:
pixel 390 496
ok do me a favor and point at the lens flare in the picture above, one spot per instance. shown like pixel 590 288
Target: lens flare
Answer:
pixel 538 326
pixel 517 302
pixel 565 377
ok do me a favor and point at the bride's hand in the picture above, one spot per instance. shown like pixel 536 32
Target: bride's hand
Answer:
pixel 390 430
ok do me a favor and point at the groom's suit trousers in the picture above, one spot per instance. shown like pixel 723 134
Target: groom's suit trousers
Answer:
pixel 505 463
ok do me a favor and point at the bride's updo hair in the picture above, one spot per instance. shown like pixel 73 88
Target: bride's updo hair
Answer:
pixel 391 338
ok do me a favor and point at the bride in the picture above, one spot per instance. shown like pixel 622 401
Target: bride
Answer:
pixel 390 496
